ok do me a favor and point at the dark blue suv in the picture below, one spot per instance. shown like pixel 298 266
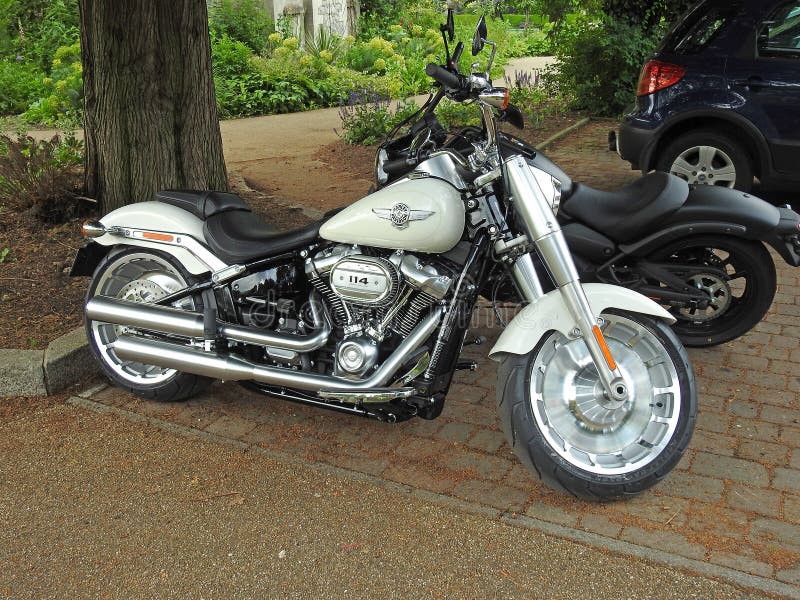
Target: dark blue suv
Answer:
pixel 719 101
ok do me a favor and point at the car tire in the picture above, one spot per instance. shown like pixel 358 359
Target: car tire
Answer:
pixel 707 157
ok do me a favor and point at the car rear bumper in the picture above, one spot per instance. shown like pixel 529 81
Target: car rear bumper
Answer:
pixel 635 143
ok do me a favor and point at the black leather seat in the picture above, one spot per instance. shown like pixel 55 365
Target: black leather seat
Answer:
pixel 233 232
pixel 240 236
pixel 624 214
pixel 202 204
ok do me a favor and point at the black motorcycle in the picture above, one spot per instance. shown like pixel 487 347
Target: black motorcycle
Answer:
pixel 698 250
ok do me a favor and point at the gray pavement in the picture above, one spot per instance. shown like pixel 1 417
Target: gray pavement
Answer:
pixel 96 505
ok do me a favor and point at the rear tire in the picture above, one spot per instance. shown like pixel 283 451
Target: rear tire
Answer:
pixel 742 296
pixel 550 406
pixel 708 158
pixel 140 275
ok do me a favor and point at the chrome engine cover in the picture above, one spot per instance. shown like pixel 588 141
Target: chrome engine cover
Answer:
pixel 365 280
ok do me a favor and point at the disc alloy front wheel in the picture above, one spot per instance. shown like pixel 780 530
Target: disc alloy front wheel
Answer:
pixel 561 424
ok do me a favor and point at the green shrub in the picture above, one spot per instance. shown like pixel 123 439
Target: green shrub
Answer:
pixel 38 28
pixel 530 96
pixel 599 63
pixel 62 99
pixel 537 42
pixel 368 119
pixel 40 177
pixel 377 16
pixel 245 21
pixel 20 81
pixel 327 46
pixel 457 114
pixel 229 57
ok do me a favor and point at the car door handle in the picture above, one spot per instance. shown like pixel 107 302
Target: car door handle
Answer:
pixel 752 82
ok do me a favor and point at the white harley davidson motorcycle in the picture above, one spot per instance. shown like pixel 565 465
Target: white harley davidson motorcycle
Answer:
pixel 366 311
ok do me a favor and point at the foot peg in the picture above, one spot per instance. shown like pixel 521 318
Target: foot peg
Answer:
pixel 466 365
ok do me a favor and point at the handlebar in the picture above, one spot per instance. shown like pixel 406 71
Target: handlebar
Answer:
pixel 399 166
pixel 443 76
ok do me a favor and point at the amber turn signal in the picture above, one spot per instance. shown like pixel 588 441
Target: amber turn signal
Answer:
pixel 92 229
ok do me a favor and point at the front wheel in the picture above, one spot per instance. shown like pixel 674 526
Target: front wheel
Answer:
pixel 562 427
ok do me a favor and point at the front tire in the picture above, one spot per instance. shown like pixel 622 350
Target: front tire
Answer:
pixel 555 417
pixel 140 275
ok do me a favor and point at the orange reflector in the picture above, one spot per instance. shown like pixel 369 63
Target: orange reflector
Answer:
pixel 598 335
pixel 160 237
pixel 506 98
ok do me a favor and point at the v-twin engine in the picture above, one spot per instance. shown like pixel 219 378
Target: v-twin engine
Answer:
pixel 372 297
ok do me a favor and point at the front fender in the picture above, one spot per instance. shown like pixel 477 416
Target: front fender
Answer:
pixel 549 313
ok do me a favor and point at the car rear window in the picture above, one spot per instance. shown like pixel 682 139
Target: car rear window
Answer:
pixel 695 30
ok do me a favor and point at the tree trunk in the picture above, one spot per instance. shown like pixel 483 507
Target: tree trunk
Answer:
pixel 150 110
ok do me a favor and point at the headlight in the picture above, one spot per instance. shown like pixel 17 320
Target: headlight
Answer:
pixel 556 195
pixel 381 176
pixel 549 185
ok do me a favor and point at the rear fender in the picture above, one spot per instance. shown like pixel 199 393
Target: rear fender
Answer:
pixel 549 313
pixel 722 211
pixel 182 232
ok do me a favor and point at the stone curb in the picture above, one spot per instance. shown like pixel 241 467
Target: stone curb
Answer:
pixel 66 361
pixel 738 578
pixel 563 133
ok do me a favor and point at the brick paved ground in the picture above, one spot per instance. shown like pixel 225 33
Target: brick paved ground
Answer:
pixel 734 500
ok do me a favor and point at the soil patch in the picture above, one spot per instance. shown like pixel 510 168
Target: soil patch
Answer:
pixel 39 301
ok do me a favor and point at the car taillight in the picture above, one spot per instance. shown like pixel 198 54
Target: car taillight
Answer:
pixel 658 75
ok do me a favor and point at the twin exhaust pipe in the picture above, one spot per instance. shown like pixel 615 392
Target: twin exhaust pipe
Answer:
pixel 174 355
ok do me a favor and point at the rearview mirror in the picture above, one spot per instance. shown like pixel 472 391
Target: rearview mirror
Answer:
pixel 450 26
pixel 479 37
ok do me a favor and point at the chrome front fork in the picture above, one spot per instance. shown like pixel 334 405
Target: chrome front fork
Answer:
pixel 535 212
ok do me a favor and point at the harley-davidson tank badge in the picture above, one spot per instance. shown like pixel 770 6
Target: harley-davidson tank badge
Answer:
pixel 400 214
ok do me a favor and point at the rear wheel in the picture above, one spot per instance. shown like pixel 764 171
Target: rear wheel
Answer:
pixel 708 158
pixel 140 275
pixel 557 418
pixel 739 278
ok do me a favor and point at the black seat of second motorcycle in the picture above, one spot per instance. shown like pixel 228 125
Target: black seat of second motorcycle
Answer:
pixel 204 203
pixel 626 214
pixel 238 237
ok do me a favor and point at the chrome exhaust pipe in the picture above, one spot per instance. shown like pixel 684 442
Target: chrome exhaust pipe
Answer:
pixel 235 368
pixel 167 319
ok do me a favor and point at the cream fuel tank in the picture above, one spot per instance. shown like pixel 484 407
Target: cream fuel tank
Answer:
pixel 422 215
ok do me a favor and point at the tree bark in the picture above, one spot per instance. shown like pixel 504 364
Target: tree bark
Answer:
pixel 150 110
